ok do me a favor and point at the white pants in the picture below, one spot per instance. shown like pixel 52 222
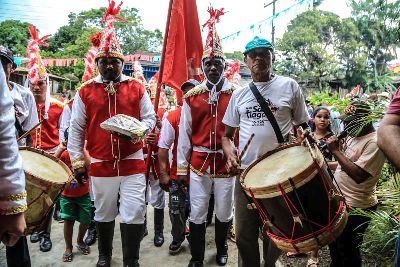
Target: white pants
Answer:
pixel 157 195
pixel 200 190
pixel 131 190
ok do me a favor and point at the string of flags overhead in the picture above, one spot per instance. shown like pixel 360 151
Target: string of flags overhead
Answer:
pixel 263 25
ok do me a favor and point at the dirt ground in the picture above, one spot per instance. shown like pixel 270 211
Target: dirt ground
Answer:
pixel 150 256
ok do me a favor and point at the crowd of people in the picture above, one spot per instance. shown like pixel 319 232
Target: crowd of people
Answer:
pixel 202 148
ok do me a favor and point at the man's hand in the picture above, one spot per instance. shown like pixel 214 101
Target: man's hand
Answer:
pixel 158 122
pixel 302 134
pixel 232 163
pixel 164 181
pixel 332 144
pixel 81 175
pixel 182 182
pixel 12 227
pixel 150 139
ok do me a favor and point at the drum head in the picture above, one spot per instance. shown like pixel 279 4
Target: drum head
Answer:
pixel 44 166
pixel 278 167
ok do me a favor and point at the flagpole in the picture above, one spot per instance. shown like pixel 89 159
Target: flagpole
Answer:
pixel 159 81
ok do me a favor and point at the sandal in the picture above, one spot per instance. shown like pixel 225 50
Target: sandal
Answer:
pixel 83 248
pixel 231 234
pixel 68 256
pixel 312 263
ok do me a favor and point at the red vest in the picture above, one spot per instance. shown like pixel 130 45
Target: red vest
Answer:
pixel 102 145
pixel 174 117
pixel 207 131
pixel 46 136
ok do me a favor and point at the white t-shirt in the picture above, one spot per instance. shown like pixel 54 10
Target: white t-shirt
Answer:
pixel 285 100
pixel 25 105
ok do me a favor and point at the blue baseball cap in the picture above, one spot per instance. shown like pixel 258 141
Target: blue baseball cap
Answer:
pixel 258 42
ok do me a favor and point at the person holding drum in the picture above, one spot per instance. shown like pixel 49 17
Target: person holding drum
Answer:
pixel 12 178
pixel 117 164
pixel 46 135
pixel 200 150
pixel 359 166
pixel 26 118
pixel 286 104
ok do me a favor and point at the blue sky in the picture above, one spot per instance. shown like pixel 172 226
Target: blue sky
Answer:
pixel 49 15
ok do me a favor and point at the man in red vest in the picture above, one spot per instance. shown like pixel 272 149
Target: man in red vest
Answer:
pixel 117 164
pixel 200 150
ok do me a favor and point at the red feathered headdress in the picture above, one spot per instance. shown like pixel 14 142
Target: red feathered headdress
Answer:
pixel 109 46
pixel 90 64
pixel 213 46
pixel 37 70
pixel 232 72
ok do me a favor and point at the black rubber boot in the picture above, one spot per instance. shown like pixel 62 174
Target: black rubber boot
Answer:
pixel 145 231
pixel 131 236
pixel 105 234
pixel 221 236
pixel 158 227
pixel 197 244
pixel 91 232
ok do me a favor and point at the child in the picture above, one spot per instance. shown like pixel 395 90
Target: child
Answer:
pixel 321 131
pixel 75 206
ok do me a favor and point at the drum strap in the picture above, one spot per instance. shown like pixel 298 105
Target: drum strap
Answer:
pixel 267 111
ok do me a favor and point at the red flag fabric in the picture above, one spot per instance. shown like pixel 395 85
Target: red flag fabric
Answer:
pixel 184 45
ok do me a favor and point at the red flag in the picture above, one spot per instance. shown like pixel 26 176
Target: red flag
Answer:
pixel 184 45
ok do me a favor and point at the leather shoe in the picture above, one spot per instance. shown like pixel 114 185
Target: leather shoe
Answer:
pixel 45 242
pixel 158 239
pixel 104 261
pixel 221 259
pixel 195 264
pixel 91 236
pixel 35 237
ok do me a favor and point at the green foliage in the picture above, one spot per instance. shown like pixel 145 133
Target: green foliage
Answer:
pixel 379 27
pixel 384 227
pixel 14 35
pixel 328 99
pixel 237 55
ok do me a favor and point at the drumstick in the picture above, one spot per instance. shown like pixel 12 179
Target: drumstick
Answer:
pixel 28 132
pixel 246 146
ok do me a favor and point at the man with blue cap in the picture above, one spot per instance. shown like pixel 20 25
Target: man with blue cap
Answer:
pixel 244 113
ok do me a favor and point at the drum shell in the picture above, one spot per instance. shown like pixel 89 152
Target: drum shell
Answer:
pixel 41 194
pixel 310 195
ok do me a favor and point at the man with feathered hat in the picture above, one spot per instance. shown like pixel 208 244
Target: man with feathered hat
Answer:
pixel 200 149
pixel 46 135
pixel 117 166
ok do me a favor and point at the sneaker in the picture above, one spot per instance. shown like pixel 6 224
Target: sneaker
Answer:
pixel 175 247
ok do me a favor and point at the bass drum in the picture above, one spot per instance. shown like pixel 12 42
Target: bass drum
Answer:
pixel 46 177
pixel 294 195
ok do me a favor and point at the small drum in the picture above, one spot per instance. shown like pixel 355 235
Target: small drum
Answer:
pixel 46 177
pixel 294 195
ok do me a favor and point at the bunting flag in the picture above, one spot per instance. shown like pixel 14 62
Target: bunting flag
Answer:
pixel 184 49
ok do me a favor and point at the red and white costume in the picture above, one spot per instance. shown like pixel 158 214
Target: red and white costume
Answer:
pixel 200 152
pixel 46 136
pixel 117 165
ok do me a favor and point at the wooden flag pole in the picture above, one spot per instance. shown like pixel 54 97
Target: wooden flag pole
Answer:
pixel 159 84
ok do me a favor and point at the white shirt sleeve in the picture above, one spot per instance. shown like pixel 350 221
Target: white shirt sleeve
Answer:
pixel 167 135
pixel 65 120
pixel 76 136
pixel 32 118
pixel 299 109
pixel 184 140
pixel 12 178
pixel 232 116
pixel 147 114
